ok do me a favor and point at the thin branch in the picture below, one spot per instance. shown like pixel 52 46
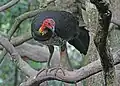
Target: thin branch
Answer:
pixel 8 5
pixel 16 76
pixel 35 52
pixel 100 41
pixel 2 55
pixel 19 39
pixel 16 41
pixel 116 22
pixel 16 57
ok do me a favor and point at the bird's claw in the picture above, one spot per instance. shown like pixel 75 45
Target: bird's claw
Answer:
pixel 57 69
pixel 50 70
pixel 42 71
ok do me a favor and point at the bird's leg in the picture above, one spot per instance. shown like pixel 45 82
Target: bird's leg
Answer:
pixel 62 52
pixel 51 50
pixel 40 71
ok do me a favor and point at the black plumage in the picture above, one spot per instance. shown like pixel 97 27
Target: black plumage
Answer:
pixel 65 22
pixel 81 42
pixel 66 30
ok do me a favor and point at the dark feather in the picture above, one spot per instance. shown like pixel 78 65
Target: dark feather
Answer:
pixel 81 42
pixel 66 29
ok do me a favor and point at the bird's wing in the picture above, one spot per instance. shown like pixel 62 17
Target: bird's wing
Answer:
pixel 81 43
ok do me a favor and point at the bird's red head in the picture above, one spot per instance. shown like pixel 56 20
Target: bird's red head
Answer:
pixel 47 23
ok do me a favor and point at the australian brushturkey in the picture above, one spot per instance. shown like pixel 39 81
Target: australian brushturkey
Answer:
pixel 57 28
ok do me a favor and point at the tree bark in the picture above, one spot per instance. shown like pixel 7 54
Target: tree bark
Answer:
pixel 101 42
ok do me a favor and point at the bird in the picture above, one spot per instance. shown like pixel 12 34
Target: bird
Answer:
pixel 56 28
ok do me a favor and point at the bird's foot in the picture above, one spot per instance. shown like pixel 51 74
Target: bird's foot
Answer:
pixel 40 71
pixel 57 69
pixel 50 70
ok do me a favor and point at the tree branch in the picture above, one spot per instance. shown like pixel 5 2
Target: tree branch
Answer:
pixel 16 41
pixel 71 76
pixel 100 41
pixel 16 57
pixel 34 52
pixel 116 22
pixel 19 39
pixel 8 5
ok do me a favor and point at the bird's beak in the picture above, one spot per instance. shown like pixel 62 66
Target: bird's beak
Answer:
pixel 41 31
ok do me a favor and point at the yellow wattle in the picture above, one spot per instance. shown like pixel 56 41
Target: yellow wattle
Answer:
pixel 40 30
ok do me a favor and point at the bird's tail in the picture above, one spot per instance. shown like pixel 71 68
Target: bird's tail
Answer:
pixel 81 42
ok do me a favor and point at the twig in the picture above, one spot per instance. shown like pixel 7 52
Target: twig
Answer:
pixel 2 55
pixel 116 22
pixel 8 5
pixel 19 39
pixel 16 76
pixel 17 59
pixel 16 41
